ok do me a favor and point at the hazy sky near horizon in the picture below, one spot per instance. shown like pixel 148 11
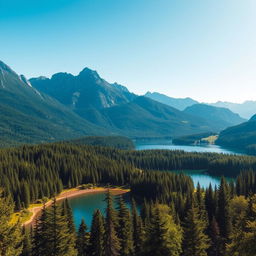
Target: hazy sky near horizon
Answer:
pixel 204 49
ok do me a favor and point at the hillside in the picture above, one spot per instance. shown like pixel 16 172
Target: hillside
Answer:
pixel 219 118
pixel 245 109
pixel 144 117
pixel 30 116
pixel 242 136
pixel 178 103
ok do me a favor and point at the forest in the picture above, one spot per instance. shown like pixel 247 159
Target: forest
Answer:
pixel 176 219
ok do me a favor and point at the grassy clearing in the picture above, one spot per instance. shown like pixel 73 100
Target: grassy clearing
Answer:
pixel 211 139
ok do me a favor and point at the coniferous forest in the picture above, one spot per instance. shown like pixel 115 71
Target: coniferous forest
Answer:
pixel 175 218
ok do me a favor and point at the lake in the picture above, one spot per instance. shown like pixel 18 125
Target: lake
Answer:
pixel 142 145
pixel 203 178
pixel 84 206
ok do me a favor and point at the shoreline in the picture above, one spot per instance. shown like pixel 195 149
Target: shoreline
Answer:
pixel 70 194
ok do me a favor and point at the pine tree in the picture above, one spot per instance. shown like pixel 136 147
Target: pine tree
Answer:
pixel 10 234
pixel 124 230
pixel 195 242
pixel 58 232
pixel 68 216
pixel 224 218
pixel 164 236
pixel 27 246
pixel 82 241
pixel 97 235
pixel 138 230
pixel 111 241
pixel 40 238
pixel 214 234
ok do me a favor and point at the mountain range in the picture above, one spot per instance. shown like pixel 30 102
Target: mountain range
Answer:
pixel 66 106
pixel 179 103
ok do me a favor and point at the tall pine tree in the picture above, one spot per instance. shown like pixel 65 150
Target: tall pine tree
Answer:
pixel 111 240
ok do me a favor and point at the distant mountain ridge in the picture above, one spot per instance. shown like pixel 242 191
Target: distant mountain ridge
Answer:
pixel 220 118
pixel 246 109
pixel 179 103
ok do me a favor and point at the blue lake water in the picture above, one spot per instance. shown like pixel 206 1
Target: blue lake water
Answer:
pixel 203 178
pixel 84 206
pixel 188 148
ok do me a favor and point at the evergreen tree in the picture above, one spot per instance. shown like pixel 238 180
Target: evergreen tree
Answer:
pixel 58 232
pixel 124 229
pixel 111 241
pixel 97 235
pixel 68 216
pixel 214 234
pixel 224 217
pixel 10 234
pixel 138 231
pixel 195 242
pixel 40 238
pixel 164 237
pixel 82 241
pixel 27 246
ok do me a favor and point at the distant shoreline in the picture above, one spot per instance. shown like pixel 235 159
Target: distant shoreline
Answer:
pixel 70 194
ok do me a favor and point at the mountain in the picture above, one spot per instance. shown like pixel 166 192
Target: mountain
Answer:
pixel 84 91
pixel 28 115
pixel 114 108
pixel 144 117
pixel 180 104
pixel 242 136
pixel 245 110
pixel 219 118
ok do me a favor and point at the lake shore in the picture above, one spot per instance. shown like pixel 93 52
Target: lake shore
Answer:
pixel 35 210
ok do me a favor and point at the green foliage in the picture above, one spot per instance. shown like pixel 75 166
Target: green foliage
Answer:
pixel 195 241
pixel 111 241
pixel 124 229
pixel 164 237
pixel 97 235
pixel 10 234
pixel 53 234
pixel 82 241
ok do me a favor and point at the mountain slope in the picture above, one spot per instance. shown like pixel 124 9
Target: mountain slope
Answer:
pixel 84 91
pixel 245 110
pixel 144 117
pixel 180 104
pixel 241 136
pixel 28 115
pixel 219 118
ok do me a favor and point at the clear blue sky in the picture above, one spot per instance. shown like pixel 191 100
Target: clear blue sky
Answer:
pixel 205 49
